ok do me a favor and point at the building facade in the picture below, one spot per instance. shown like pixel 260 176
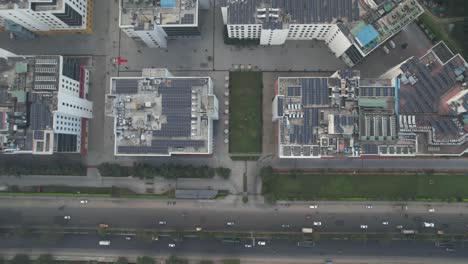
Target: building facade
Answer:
pixel 40 15
pixel 350 28
pixel 44 105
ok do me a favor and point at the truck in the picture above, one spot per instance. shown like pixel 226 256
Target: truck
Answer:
pixel 307 230
pixel 104 243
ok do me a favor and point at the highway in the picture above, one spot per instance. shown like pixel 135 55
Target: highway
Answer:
pixel 274 250
pixel 214 215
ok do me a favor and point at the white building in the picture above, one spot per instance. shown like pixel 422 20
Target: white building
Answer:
pixel 350 28
pixel 162 115
pixel 43 105
pixel 154 22
pixel 45 15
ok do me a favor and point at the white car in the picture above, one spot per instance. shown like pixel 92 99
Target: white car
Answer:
pixel 261 243
pixel 171 245
pixel 399 227
pixel 313 206
pixel 83 201
pixel 162 222
pixel 128 238
pixel 392 44
pixel 369 206
pixel 385 49
pixel 431 210
pixel 198 229
pixel 285 226
pixel 385 223
pixel 230 223
pixel 317 223
pixel 248 245
pixel 67 217
pixel 363 226
pixel 427 224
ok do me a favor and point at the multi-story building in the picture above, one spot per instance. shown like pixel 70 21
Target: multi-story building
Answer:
pixel 417 108
pixel 160 115
pixel 154 22
pixel 44 15
pixel 352 29
pixel 43 105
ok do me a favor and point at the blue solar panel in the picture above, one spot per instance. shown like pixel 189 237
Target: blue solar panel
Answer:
pixel 343 120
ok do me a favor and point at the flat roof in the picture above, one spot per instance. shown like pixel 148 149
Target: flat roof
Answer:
pixel 144 14
pixel 319 117
pixel 291 11
pixel 160 116
pixel 426 85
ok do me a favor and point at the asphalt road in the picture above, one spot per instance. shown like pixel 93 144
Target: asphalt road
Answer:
pixel 87 245
pixel 187 215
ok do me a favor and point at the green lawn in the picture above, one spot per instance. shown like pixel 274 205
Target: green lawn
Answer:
pixel 440 32
pixel 372 187
pixel 245 115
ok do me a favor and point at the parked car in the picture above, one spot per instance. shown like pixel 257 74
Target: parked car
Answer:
pixel 261 243
pixel 385 49
pixel 230 223
pixel 385 223
pixel 363 226
pixel 83 201
pixel 317 223
pixel 392 44
pixel 313 206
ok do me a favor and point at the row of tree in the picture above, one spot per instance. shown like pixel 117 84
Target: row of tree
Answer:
pixel 17 169
pixel 49 259
pixel 170 171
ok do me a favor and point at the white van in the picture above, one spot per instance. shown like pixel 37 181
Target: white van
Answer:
pixel 104 243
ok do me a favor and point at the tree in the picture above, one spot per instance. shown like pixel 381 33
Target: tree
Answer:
pixel 45 259
pixel 121 260
pixel 145 260
pixel 175 260
pixel 20 259
pixel 223 172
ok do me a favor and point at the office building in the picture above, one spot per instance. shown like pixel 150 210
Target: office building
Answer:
pixel 154 22
pixel 352 29
pixel 43 15
pixel 161 115
pixel 417 108
pixel 43 105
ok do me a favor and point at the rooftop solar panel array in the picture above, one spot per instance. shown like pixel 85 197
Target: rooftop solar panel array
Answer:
pixel 40 116
pixel 315 91
pixel 188 19
pixel 161 146
pixel 294 91
pixel 370 149
pixel 176 106
pixel 300 11
pixel 126 86
pixel 376 91
pixel 280 106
